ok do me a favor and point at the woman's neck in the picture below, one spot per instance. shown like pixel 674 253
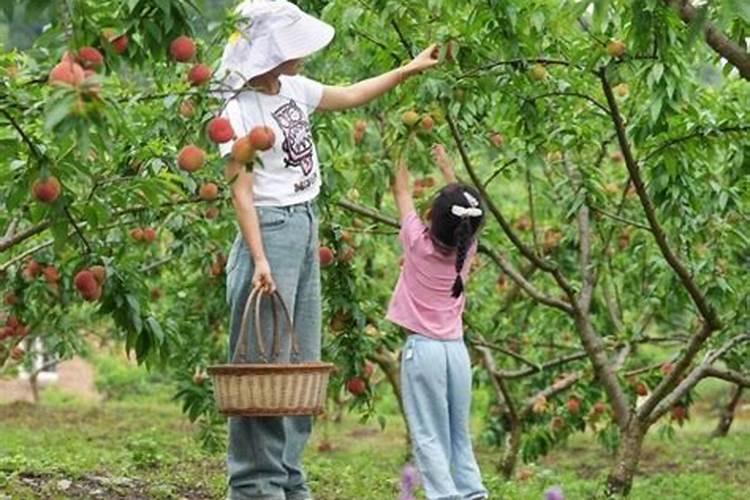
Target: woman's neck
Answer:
pixel 266 84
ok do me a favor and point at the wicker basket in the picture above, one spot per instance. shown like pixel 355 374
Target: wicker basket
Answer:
pixel 269 389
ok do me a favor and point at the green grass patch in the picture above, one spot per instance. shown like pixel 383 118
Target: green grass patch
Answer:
pixel 144 448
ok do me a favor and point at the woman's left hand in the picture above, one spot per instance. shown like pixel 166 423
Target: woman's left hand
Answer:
pixel 426 59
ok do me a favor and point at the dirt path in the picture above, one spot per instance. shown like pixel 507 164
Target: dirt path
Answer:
pixel 76 376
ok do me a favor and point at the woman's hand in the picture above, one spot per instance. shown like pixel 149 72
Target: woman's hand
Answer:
pixel 262 278
pixel 425 60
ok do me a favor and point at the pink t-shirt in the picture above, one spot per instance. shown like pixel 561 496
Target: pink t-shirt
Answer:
pixel 422 301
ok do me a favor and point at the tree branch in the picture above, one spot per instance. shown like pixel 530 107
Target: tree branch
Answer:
pixel 664 403
pixel 483 343
pixel 525 250
pixel 491 367
pixel 402 38
pixel 11 230
pixel 498 171
pixel 573 94
pixel 368 212
pixel 378 43
pixel 516 63
pixel 694 135
pixel 603 368
pixel 34 230
pixel 741 379
pixel 23 235
pixel 717 40
pixel 708 313
pixel 77 229
pixel 504 264
pixel 551 391
pixel 25 138
pixel 555 363
pixel 620 219
pixel 587 270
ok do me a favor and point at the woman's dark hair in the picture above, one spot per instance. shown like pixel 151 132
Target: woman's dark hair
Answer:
pixel 455 227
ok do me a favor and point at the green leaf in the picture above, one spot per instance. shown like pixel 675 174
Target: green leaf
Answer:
pixel 655 108
pixel 59 111
pixel 59 229
pixel 740 7
pixel 134 312
pixel 601 14
pixel 696 27
pixel 155 328
pixel 381 421
pixel 656 72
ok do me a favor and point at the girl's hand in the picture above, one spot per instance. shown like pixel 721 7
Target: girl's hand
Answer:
pixel 426 59
pixel 401 179
pixel 262 277
pixel 444 163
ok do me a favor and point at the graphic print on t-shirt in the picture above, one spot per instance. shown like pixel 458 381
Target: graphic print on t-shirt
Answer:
pixel 298 143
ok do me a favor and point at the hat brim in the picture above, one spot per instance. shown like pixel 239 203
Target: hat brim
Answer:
pixel 304 38
pixel 296 41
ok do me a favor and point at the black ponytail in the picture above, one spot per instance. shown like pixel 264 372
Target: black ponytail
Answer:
pixel 464 235
pixel 456 230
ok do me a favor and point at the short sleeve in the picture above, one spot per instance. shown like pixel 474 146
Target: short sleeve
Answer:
pixel 233 113
pixel 312 93
pixel 411 229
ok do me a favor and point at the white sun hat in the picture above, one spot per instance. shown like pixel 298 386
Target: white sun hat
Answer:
pixel 269 33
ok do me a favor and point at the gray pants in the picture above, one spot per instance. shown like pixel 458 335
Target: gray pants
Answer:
pixel 265 453
pixel 436 382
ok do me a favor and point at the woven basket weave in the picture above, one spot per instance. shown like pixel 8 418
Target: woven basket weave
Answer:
pixel 269 389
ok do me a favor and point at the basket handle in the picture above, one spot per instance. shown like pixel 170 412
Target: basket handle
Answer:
pixel 240 350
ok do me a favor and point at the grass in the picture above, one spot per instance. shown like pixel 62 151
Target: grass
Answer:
pixel 143 448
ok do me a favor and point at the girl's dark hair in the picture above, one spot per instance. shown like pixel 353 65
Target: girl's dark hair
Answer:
pixel 453 231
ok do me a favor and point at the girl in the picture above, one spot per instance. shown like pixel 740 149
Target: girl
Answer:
pixel 428 303
pixel 277 246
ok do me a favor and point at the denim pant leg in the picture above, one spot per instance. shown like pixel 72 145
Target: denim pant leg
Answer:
pixel 307 321
pixel 424 374
pixel 257 444
pixel 464 466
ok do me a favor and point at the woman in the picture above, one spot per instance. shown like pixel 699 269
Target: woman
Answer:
pixel 277 247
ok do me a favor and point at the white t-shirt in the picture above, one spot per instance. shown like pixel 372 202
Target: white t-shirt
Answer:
pixel 290 171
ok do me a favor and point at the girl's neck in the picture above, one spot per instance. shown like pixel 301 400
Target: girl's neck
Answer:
pixel 266 84
pixel 442 247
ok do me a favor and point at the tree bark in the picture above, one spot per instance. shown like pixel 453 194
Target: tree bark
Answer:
pixel 620 478
pixel 389 363
pixel 512 447
pixel 726 417
pixel 717 40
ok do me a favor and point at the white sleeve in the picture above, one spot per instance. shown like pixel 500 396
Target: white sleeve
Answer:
pixel 312 93
pixel 233 113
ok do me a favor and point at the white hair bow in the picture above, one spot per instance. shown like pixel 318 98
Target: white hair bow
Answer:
pixel 462 212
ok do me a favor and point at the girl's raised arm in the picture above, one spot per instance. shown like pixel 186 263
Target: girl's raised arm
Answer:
pixel 444 163
pixel 402 189
pixel 337 98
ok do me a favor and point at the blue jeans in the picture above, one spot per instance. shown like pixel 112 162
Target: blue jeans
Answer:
pixel 436 382
pixel 265 453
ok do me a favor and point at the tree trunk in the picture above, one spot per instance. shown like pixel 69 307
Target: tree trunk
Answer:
pixel 34 383
pixel 512 447
pixel 726 417
pixel 620 479
pixel 390 364
pixel 340 401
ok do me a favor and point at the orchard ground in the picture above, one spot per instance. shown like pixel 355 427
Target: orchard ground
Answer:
pixel 136 444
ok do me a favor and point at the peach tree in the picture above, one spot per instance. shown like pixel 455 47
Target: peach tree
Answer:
pixel 609 140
